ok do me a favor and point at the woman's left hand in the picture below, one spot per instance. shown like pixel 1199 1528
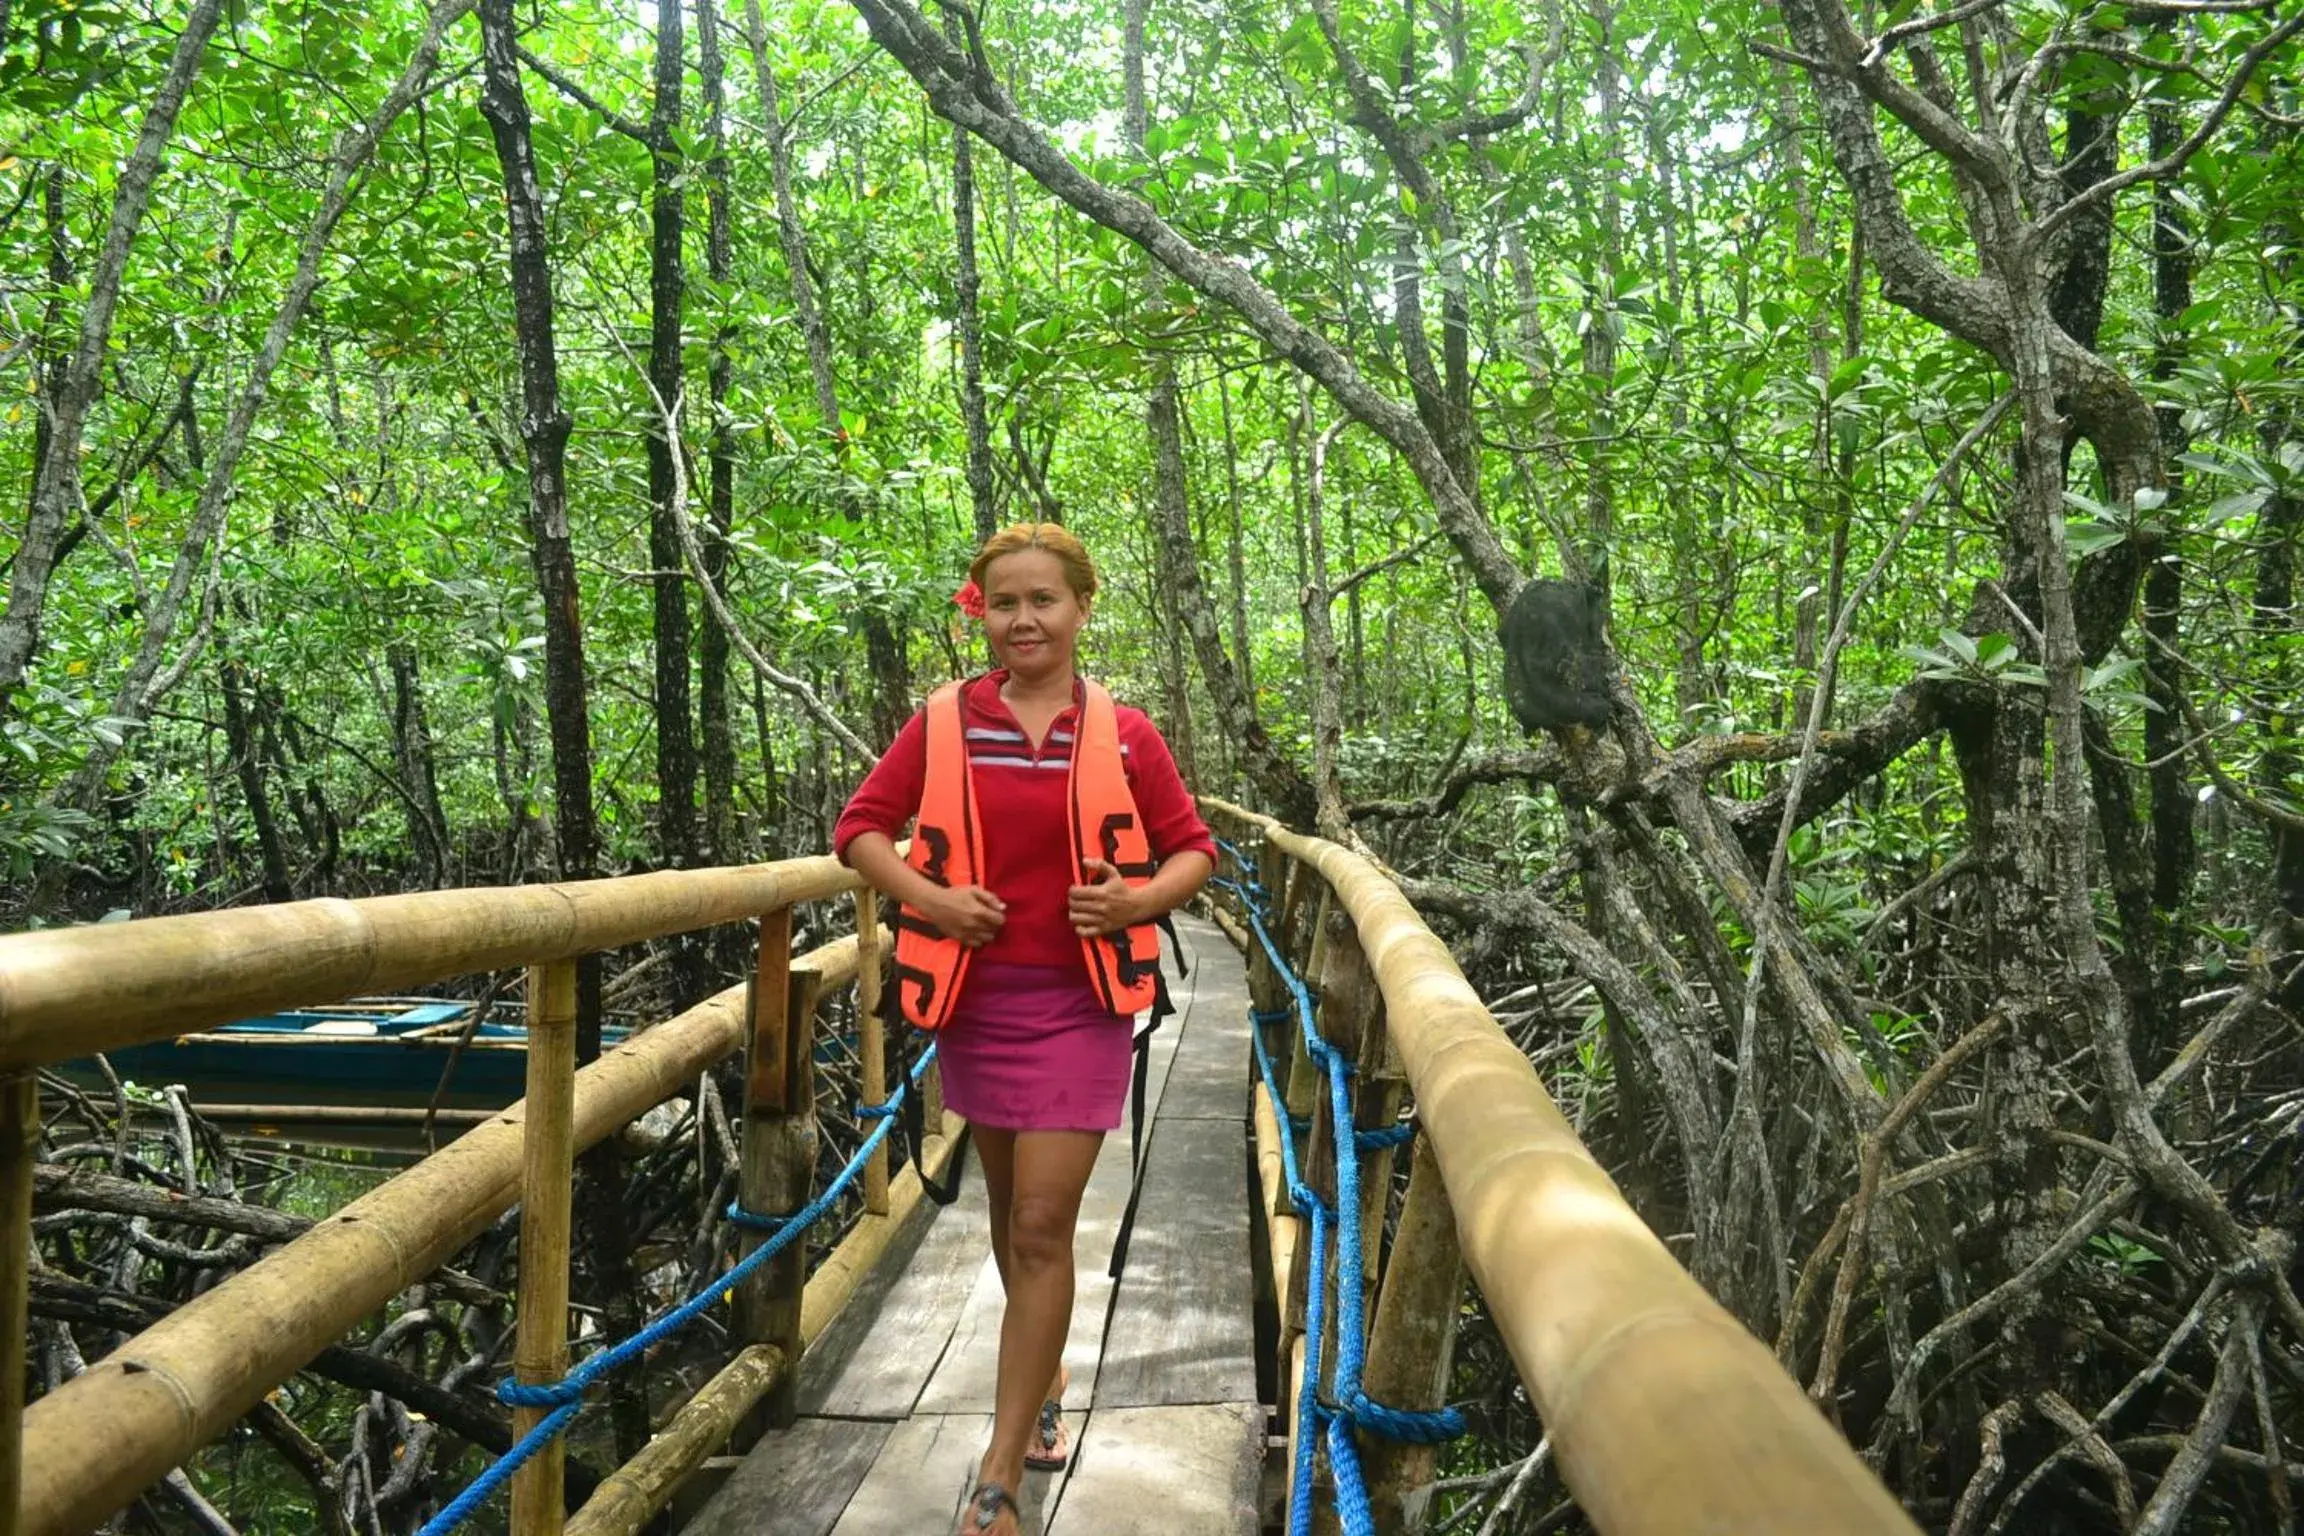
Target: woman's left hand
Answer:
pixel 1107 905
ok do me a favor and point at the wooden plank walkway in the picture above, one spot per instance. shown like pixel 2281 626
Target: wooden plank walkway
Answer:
pixel 895 1398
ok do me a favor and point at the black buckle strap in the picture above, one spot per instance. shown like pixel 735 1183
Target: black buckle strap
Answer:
pixel 914 1115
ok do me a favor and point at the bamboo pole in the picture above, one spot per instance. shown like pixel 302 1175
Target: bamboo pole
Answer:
pixel 630 1496
pixel 19 1149
pixel 1293 1363
pixel 778 1156
pixel 872 1031
pixel 265 1116
pixel 1284 1228
pixel 1631 1364
pixel 96 1442
pixel 1300 1085
pixel 1413 1343
pixel 1265 994
pixel 67 992
pixel 548 1162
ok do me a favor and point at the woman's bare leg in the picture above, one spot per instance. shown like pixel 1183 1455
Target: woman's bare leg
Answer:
pixel 996 1152
pixel 1048 1172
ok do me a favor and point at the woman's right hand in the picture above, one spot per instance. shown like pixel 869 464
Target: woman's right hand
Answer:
pixel 968 913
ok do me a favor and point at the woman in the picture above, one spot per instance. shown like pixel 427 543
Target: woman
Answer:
pixel 1035 936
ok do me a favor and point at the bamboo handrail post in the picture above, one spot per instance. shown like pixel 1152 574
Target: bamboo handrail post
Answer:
pixel 1324 1521
pixel 1283 1228
pixel 1306 891
pixel 548 1150
pixel 1263 984
pixel 1313 968
pixel 1300 1085
pixel 766 1051
pixel 1272 868
pixel 1295 885
pixel 1266 995
pixel 931 1090
pixel 1317 1167
pixel 1412 1345
pixel 19 1149
pixel 1292 1366
pixel 1265 990
pixel 872 1035
pixel 779 1155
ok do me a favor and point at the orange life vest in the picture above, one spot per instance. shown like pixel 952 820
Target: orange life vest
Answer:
pixel 948 847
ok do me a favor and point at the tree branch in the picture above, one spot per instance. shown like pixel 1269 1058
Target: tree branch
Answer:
pixel 1478 125
pixel 668 416
pixel 566 85
pixel 984 109
pixel 2174 161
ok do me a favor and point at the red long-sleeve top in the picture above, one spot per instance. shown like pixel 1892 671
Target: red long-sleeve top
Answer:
pixel 1020 788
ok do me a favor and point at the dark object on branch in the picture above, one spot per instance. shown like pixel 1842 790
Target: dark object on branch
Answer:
pixel 1555 659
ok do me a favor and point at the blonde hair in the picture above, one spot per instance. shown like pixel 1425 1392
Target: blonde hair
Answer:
pixel 1058 540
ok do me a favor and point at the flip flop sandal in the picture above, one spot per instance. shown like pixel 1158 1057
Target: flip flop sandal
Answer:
pixel 985 1506
pixel 1051 1446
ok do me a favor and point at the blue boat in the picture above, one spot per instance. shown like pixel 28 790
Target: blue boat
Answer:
pixel 389 1052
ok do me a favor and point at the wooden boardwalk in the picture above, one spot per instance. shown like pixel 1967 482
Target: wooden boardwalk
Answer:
pixel 895 1398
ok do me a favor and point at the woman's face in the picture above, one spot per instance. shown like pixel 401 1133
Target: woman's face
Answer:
pixel 1031 614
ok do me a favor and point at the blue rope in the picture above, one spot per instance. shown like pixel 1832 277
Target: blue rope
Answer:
pixel 1307 1399
pixel 1247 884
pixel 462 1507
pixel 1352 1510
pixel 566 1396
pixel 1352 1407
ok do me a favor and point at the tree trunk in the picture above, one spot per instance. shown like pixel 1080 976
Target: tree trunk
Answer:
pixel 720 825
pixel 2279 524
pixel 2173 803
pixel 963 94
pixel 143 684
pixel 1808 247
pixel 2154 952
pixel 675 734
pixel 1600 317
pixel 412 748
pixel 50 361
pixel 248 768
pixel 883 650
pixel 970 323
pixel 1179 560
pixel 1322 672
pixel 544 429
pixel 1243 655
pixel 56 477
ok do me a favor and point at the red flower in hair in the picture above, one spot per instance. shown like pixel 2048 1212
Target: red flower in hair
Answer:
pixel 970 600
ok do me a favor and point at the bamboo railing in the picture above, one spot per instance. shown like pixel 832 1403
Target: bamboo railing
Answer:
pixel 1666 1415
pixel 88 1448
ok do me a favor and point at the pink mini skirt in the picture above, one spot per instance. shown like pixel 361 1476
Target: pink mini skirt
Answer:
pixel 1029 1048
